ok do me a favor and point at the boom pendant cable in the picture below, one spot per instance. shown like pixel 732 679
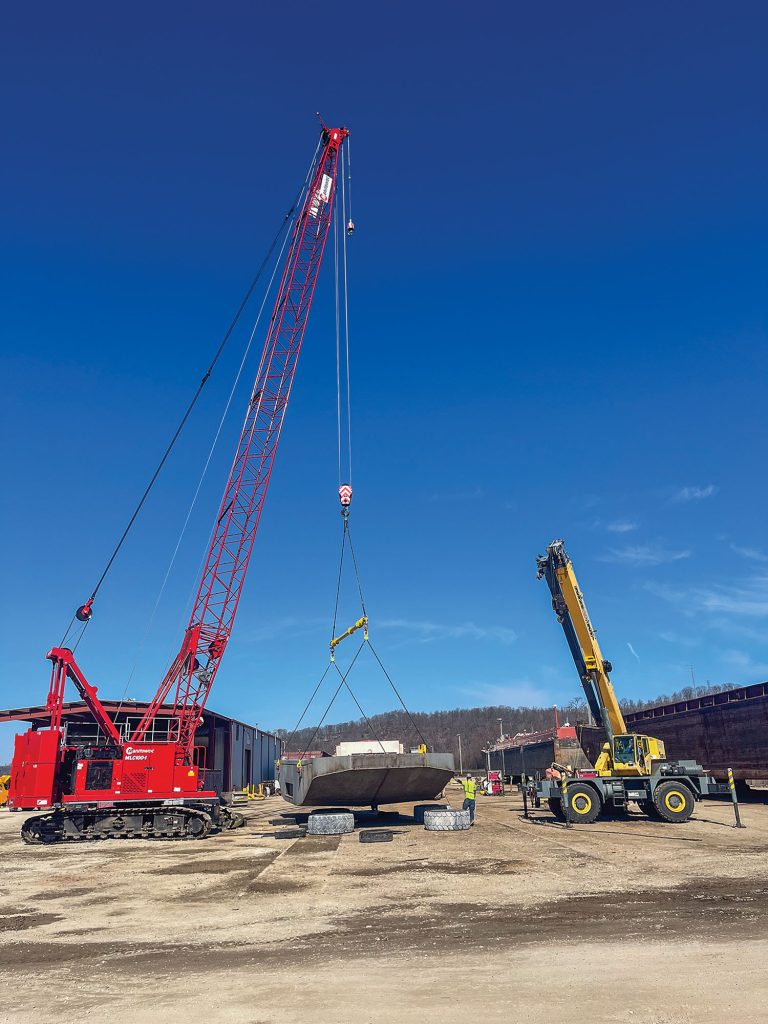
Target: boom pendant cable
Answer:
pixel 195 496
pixel 84 612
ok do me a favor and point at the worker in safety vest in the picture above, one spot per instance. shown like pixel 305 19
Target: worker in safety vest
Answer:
pixel 469 785
pixel 298 767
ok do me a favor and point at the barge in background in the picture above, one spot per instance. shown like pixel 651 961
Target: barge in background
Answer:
pixel 532 753
pixel 720 731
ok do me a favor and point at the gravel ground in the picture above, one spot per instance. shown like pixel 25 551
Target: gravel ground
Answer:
pixel 620 921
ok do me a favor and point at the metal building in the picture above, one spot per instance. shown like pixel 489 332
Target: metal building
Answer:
pixel 232 753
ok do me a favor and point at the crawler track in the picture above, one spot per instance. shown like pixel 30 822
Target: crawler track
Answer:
pixel 136 822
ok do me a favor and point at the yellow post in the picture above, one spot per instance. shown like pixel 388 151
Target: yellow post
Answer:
pixel 734 799
pixel 564 792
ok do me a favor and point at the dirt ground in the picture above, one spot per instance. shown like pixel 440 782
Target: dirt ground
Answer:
pixel 621 921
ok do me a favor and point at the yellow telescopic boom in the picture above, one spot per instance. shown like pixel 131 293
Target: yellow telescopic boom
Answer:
pixel 594 671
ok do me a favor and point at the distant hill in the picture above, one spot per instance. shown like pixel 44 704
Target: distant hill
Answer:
pixel 477 726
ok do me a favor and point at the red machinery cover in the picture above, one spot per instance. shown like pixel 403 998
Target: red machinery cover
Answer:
pixel 33 777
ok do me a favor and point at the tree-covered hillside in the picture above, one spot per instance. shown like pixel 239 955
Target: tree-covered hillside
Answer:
pixel 477 726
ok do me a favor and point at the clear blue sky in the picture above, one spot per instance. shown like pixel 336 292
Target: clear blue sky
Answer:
pixel 558 303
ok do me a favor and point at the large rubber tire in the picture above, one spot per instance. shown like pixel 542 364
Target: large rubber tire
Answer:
pixel 232 819
pixel 334 824
pixel 647 807
pixel 374 835
pixel 556 807
pixel 584 804
pixel 420 809
pixel 673 801
pixel 446 821
pixel 291 833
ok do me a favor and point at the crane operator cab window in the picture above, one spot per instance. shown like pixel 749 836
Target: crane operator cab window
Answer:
pixel 643 753
pixel 624 750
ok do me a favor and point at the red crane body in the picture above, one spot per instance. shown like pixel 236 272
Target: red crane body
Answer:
pixel 138 786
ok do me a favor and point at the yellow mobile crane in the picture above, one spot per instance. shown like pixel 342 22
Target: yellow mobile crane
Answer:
pixel 630 766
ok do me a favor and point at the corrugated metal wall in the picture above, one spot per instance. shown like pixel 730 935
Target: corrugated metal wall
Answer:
pixel 253 755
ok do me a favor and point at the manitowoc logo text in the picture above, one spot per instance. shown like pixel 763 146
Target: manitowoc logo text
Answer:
pixel 137 753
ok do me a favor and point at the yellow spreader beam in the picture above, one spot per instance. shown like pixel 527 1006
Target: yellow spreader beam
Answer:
pixel 360 624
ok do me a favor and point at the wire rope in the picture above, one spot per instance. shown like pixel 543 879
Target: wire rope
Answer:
pixel 338 330
pixel 343 384
pixel 346 332
pixel 397 694
pixel 214 443
pixel 204 380
pixel 359 708
pixel 309 702
pixel 354 562
pixel 349 171
pixel 333 698
pixel 338 582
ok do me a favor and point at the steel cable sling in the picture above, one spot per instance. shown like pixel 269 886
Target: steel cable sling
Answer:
pixel 344 434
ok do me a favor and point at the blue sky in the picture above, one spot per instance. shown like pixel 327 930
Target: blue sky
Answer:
pixel 558 312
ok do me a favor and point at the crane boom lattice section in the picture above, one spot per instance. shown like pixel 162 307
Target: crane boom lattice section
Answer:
pixel 192 673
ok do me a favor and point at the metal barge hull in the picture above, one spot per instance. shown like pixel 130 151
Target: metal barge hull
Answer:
pixel 720 731
pixel 536 758
pixel 366 780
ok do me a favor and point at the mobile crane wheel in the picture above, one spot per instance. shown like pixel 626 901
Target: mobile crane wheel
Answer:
pixel 673 801
pixel 555 805
pixel 584 803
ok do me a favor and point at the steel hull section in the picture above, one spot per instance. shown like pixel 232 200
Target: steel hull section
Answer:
pixel 366 780
pixel 536 758
pixel 720 731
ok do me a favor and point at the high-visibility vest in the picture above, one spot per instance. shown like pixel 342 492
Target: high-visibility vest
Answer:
pixel 470 786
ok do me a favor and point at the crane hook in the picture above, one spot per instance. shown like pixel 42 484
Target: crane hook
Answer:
pixel 345 497
pixel 350 227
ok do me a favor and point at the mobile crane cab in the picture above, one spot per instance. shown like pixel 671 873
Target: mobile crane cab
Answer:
pixel 630 766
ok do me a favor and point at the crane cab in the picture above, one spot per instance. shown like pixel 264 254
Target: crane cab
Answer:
pixel 630 754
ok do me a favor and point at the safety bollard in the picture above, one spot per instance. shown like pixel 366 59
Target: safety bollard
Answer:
pixel 525 798
pixel 566 808
pixel 734 799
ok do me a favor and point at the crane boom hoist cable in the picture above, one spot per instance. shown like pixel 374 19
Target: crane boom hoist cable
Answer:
pixel 137 786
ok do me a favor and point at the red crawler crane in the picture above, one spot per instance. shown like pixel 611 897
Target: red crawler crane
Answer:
pixel 141 787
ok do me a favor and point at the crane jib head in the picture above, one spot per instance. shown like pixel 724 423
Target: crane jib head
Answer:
pixel 334 136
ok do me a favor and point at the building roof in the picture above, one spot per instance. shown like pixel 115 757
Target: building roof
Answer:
pixel 78 709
